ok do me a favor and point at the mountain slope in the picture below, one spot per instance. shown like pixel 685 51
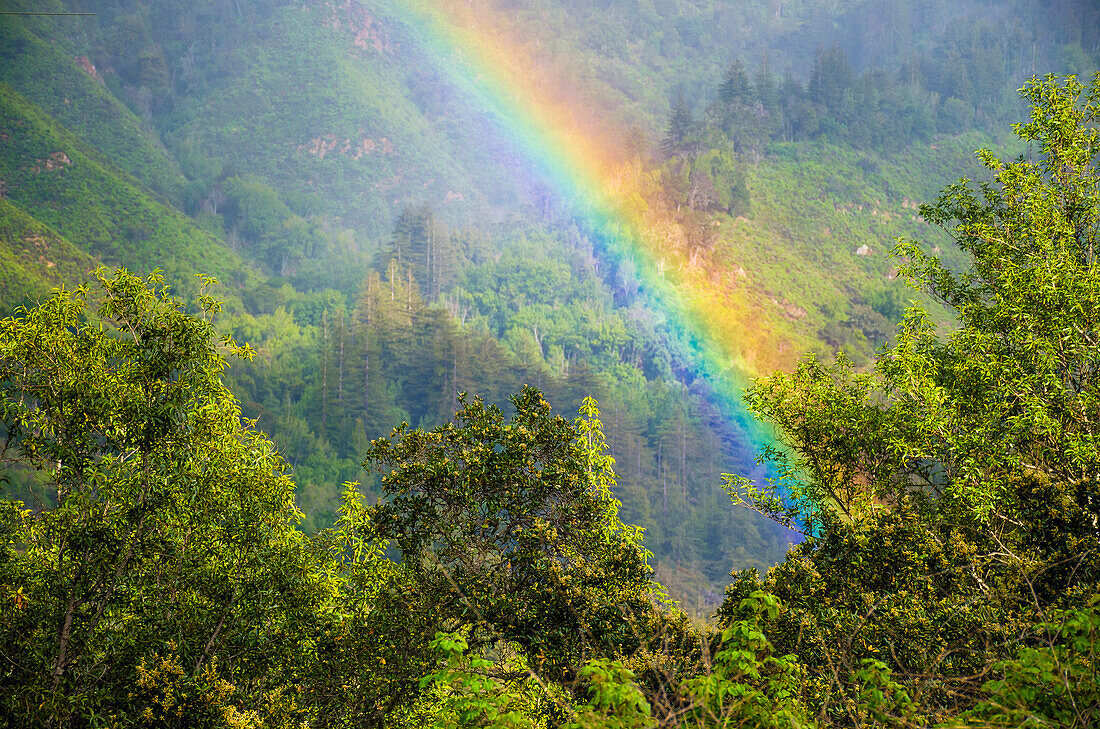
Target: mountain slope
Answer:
pixel 71 90
pixel 385 245
pixel 34 259
pixel 55 178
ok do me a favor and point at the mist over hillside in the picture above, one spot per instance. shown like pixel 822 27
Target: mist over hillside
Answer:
pixel 384 243
pixel 614 364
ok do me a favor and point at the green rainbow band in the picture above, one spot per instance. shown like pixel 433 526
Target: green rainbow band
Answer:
pixel 574 168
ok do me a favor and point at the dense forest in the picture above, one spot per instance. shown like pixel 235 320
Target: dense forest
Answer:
pixel 947 495
pixel 315 462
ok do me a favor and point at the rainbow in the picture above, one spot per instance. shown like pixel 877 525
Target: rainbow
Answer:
pixel 543 115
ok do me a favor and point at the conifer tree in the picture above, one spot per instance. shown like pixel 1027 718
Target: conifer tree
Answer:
pixel 681 125
pixel 735 85
pixel 830 76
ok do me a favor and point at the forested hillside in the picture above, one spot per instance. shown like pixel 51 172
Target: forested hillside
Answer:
pixel 382 246
pixel 947 495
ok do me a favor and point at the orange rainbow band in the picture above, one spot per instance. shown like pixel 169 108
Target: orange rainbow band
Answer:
pixel 551 124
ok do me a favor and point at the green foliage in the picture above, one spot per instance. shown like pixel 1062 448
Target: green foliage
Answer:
pixel 951 491
pixel 735 85
pixel 168 585
pixel 830 77
pixel 471 691
pixel 927 550
pixel 356 142
pixel 63 184
pixel 227 90
pixel 614 699
pixel 1025 309
pixel 48 75
pixel 946 492
pixel 372 638
pixel 1052 682
pixel 681 128
pixel 34 259
pixel 423 245
pixel 967 49
pixel 748 685
pixel 511 527
pixel 711 181
pixel 172 521
pixel 337 125
pixel 469 697
pixel 1021 349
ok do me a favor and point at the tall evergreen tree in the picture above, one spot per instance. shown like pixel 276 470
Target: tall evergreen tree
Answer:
pixel 830 76
pixel 735 86
pixel 681 124
pixel 765 87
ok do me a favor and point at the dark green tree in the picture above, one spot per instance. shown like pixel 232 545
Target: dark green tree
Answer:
pixel 735 85
pixel 765 87
pixel 681 127
pixel 830 76
pixel 510 527
pixel 420 243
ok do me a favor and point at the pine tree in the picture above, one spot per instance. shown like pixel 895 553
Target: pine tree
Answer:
pixel 765 88
pixel 681 123
pixel 735 86
pixel 830 77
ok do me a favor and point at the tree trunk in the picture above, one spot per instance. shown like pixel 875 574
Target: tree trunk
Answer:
pixel 366 355
pixel 324 369
pixel 340 378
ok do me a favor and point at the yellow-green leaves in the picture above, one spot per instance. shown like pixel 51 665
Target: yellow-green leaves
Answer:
pixel 170 519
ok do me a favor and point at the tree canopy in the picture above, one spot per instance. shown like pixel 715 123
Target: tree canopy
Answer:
pixel 167 557
pixel 512 526
pixel 951 495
